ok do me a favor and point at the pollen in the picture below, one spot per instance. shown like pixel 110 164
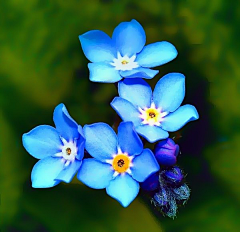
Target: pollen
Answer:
pixel 121 163
pixel 68 151
pixel 124 62
pixel 152 115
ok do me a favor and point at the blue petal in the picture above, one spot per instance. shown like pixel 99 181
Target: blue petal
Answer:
pixel 64 123
pixel 144 165
pixel 139 73
pixel 124 189
pixel 129 37
pixel 103 72
pixel 156 54
pixel 80 144
pixel 128 139
pixel 151 133
pixel 101 141
pixel 137 91
pixel 69 172
pixel 179 118
pixel 95 174
pixel 42 141
pixel 126 110
pixel 45 171
pixel 169 92
pixel 97 46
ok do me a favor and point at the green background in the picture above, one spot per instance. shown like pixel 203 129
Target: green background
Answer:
pixel 42 65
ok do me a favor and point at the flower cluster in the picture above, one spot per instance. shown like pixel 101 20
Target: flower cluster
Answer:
pixel 119 162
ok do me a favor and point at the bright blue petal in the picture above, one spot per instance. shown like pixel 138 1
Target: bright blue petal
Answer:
pixel 128 139
pixel 103 72
pixel 139 73
pixel 95 174
pixel 126 110
pixel 42 141
pixel 179 118
pixel 45 171
pixel 124 189
pixel 137 91
pixel 97 46
pixel 169 92
pixel 156 54
pixel 144 165
pixel 80 144
pixel 65 125
pixel 151 133
pixel 129 37
pixel 69 172
pixel 101 141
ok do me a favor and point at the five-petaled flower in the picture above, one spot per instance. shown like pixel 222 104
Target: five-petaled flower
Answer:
pixel 60 150
pixel 154 114
pixel 124 55
pixel 119 162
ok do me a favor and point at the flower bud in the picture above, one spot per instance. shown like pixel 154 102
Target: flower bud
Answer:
pixel 173 176
pixel 151 183
pixel 166 152
pixel 182 193
pixel 161 198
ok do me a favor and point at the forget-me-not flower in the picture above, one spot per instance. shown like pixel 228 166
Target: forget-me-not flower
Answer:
pixel 119 162
pixel 60 150
pixel 124 55
pixel 154 114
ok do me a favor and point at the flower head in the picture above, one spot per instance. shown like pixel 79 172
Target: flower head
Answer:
pixel 59 149
pixel 124 55
pixel 154 114
pixel 119 162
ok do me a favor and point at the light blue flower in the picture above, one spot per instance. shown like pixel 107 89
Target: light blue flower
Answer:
pixel 60 150
pixel 119 162
pixel 154 114
pixel 124 55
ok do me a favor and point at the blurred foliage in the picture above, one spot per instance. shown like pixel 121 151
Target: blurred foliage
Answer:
pixel 42 64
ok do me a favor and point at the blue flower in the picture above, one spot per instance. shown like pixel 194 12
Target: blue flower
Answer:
pixel 60 150
pixel 124 55
pixel 154 114
pixel 119 162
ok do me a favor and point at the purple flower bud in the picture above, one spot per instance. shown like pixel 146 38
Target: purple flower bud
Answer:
pixel 166 152
pixel 173 176
pixel 151 183
pixel 161 198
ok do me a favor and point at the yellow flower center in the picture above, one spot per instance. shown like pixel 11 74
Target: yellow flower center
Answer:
pixel 68 151
pixel 152 116
pixel 124 62
pixel 121 163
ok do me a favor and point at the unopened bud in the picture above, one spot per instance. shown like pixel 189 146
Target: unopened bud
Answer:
pixel 166 152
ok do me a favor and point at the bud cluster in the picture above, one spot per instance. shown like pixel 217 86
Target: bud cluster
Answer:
pixel 167 187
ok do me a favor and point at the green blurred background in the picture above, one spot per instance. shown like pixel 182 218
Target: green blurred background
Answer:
pixel 42 65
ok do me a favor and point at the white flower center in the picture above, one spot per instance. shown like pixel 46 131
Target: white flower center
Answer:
pixel 124 63
pixel 152 116
pixel 69 151
pixel 121 163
